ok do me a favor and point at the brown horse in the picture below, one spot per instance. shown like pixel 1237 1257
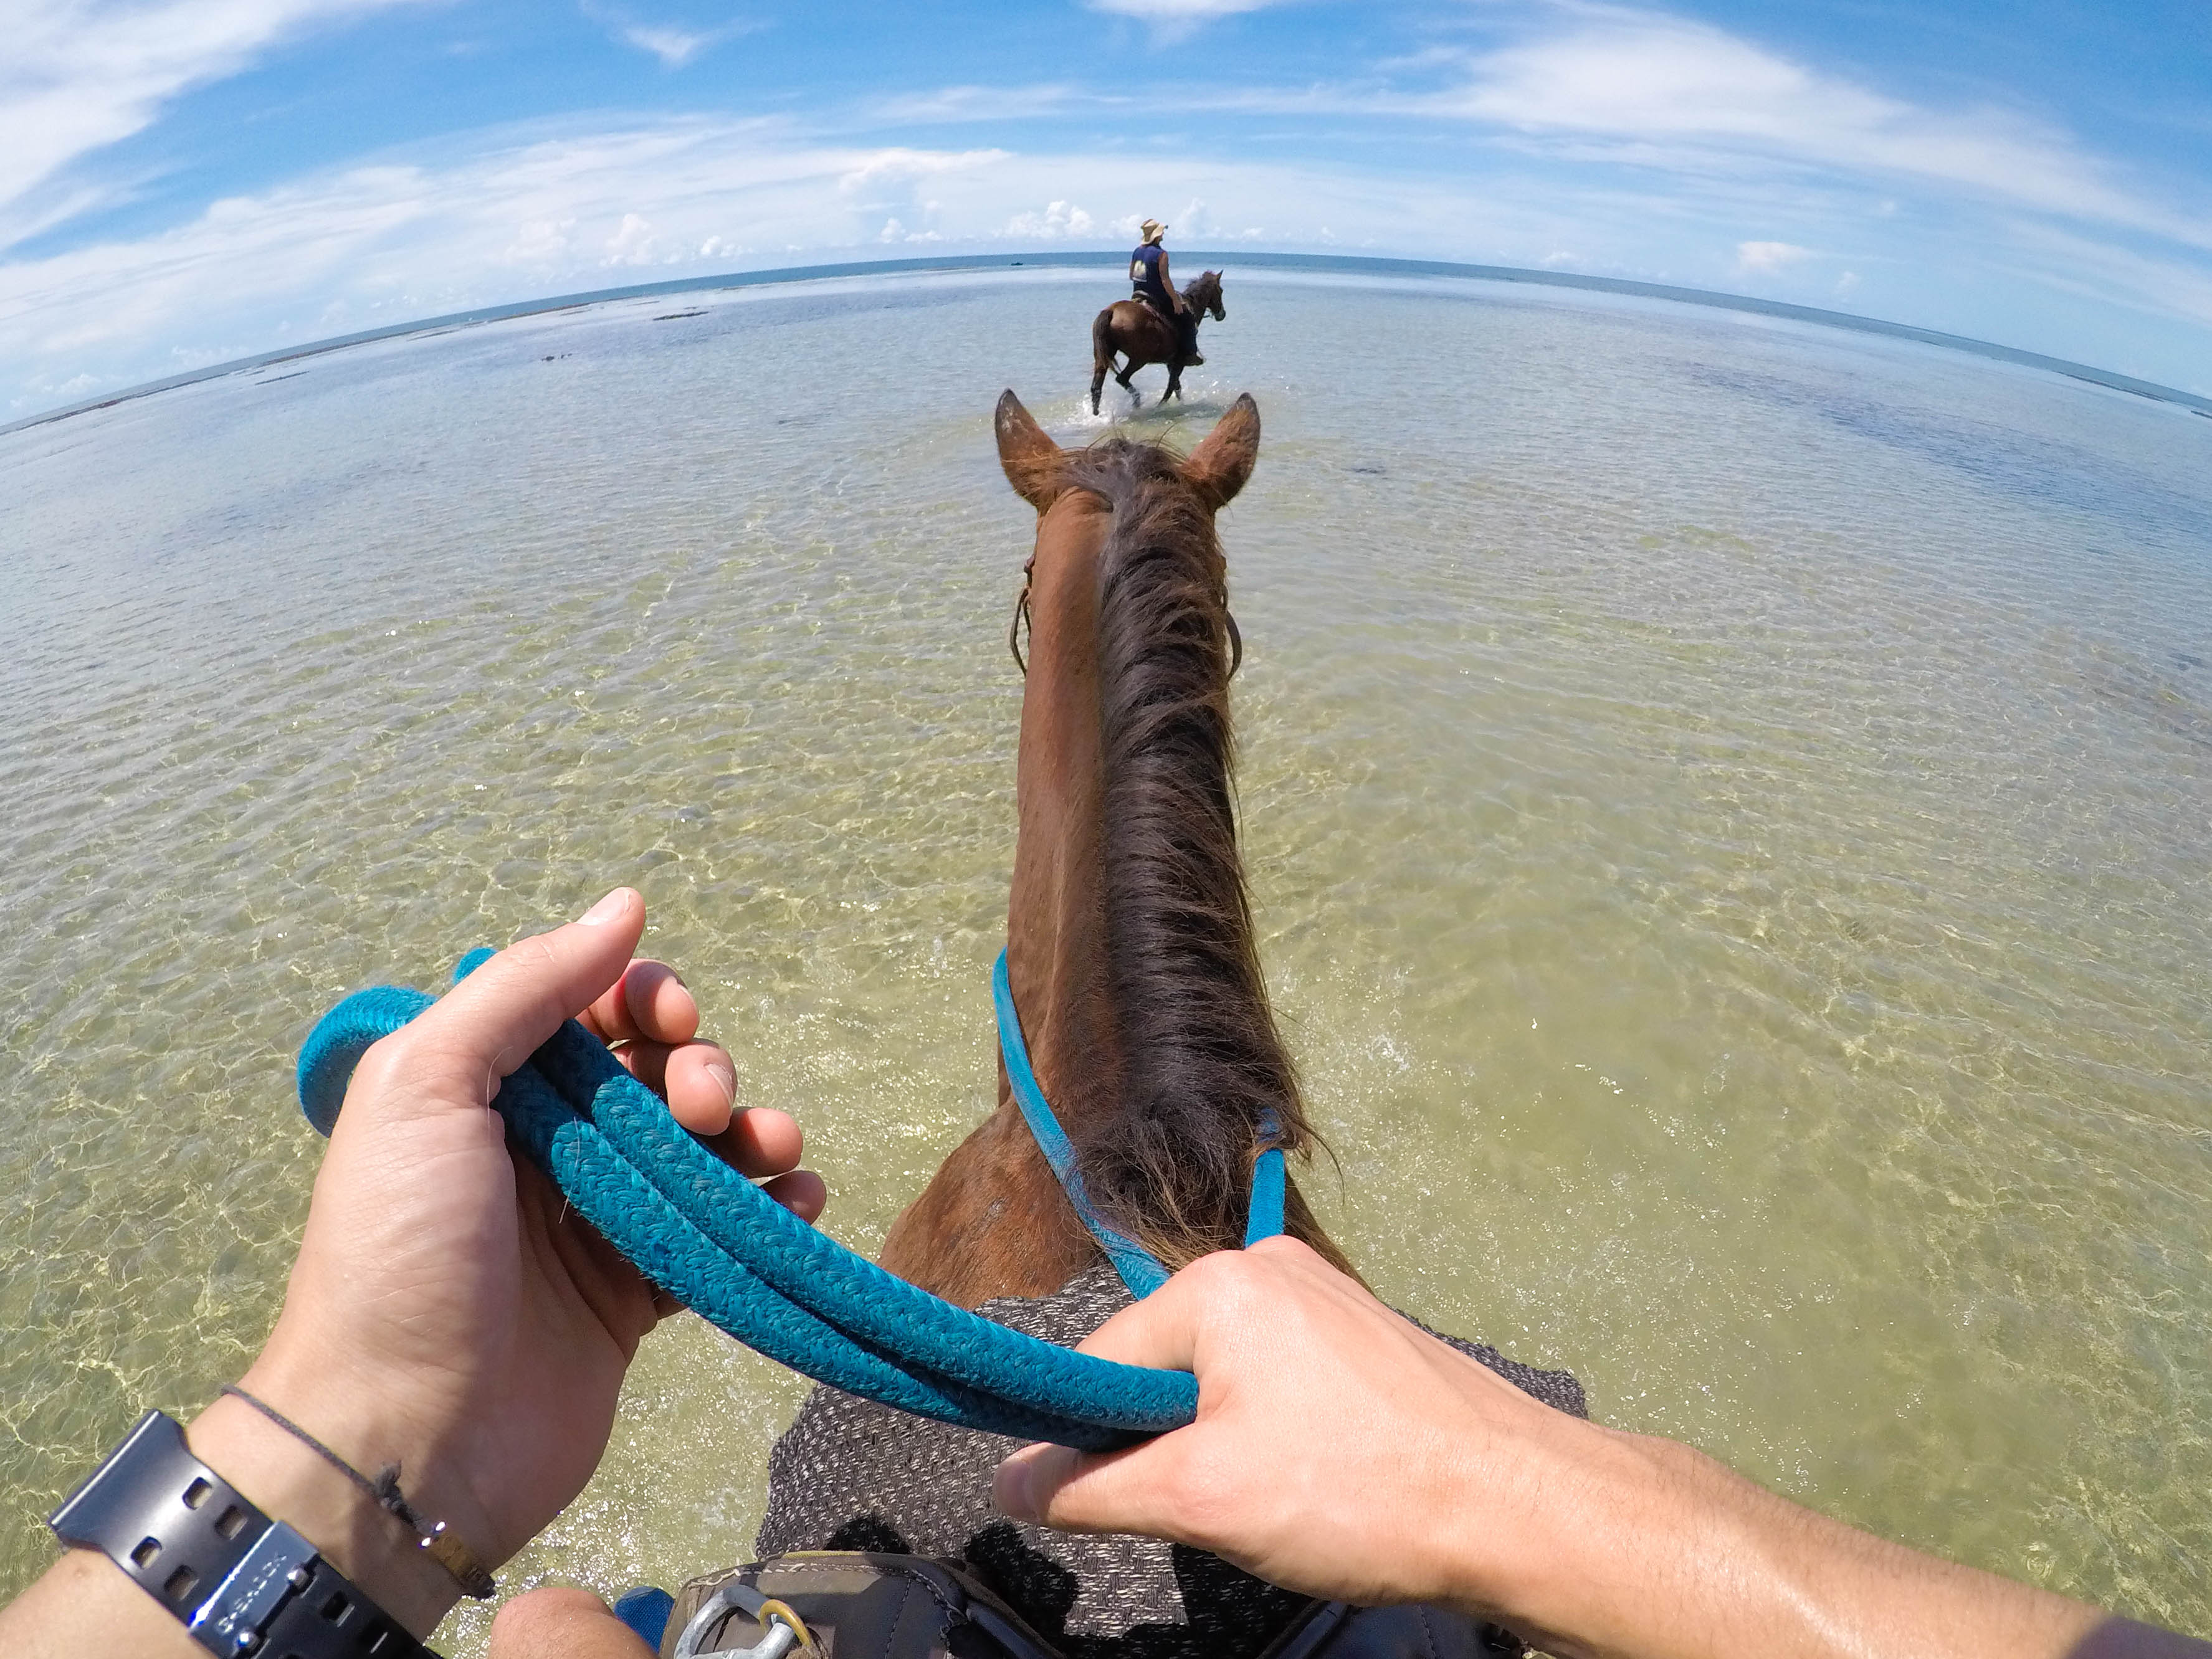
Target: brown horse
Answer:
pixel 1131 956
pixel 1142 336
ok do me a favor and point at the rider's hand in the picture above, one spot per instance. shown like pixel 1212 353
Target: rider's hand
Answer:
pixel 448 1311
pixel 1332 1436
pixel 1342 1452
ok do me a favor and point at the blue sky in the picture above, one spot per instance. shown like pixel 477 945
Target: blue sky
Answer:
pixel 184 182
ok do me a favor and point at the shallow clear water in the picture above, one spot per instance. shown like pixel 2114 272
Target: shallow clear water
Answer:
pixel 1726 805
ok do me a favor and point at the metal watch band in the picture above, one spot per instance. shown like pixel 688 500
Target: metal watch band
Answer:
pixel 245 1586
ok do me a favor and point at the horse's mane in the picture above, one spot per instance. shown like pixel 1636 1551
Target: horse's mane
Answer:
pixel 1201 1061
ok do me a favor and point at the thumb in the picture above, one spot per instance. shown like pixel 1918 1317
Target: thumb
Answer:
pixel 1136 1490
pixel 485 1028
pixel 556 1622
pixel 1118 1491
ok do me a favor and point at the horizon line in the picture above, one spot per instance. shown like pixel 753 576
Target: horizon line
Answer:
pixel 1373 265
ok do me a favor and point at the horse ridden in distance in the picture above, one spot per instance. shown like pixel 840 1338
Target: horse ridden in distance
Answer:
pixel 1143 336
pixel 1135 979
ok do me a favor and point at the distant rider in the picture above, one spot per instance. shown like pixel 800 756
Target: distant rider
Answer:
pixel 1148 274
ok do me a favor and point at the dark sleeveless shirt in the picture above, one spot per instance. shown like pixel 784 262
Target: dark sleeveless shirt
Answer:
pixel 1145 276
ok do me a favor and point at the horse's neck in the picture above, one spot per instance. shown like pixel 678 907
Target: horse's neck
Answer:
pixel 993 1222
pixel 1056 912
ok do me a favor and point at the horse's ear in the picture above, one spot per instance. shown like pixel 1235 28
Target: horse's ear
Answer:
pixel 1035 466
pixel 1217 468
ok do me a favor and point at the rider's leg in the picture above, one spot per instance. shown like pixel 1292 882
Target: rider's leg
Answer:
pixel 1185 324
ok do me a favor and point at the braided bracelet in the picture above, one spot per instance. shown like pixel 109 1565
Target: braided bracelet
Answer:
pixel 434 1539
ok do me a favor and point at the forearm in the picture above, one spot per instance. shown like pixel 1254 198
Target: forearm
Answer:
pixel 1665 1554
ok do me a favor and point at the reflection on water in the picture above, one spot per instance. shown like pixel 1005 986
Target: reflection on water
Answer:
pixel 1726 806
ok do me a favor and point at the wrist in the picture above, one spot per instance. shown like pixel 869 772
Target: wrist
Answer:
pixel 1571 1534
pixel 289 1481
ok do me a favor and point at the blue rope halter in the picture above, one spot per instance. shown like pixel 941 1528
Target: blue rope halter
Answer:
pixel 1140 1270
pixel 705 1234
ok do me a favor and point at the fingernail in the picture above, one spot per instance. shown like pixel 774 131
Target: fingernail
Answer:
pixel 1010 1492
pixel 606 909
pixel 725 1078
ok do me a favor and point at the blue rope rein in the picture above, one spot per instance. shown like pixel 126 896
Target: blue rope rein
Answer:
pixel 708 1236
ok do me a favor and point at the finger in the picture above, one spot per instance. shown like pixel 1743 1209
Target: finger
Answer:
pixel 486 1026
pixel 802 1192
pixel 700 1083
pixel 557 1622
pixel 760 1142
pixel 650 1001
pixel 646 1061
pixel 1069 1491
pixel 1161 1331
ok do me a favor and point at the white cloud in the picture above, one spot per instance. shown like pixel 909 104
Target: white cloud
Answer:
pixel 674 46
pixel 1653 84
pixel 77 76
pixel 1768 257
pixel 1059 221
pixel 1177 20
pixel 633 242
pixel 899 168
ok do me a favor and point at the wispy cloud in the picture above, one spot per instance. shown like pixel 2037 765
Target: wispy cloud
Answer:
pixel 1175 20
pixel 1595 85
pixel 956 103
pixel 1669 91
pixel 672 44
pixel 76 76
pixel 1769 256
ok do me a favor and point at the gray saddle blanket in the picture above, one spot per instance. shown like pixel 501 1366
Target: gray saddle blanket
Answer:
pixel 850 1474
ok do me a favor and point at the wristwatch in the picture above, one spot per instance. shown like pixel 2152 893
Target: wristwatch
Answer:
pixel 246 1587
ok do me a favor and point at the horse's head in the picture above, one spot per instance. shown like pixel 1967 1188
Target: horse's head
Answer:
pixel 1078 493
pixel 1204 293
pixel 1040 471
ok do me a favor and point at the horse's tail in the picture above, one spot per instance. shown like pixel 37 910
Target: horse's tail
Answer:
pixel 1102 341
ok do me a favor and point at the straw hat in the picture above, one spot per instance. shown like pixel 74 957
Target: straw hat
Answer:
pixel 1152 230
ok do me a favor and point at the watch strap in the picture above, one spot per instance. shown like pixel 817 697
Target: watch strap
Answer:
pixel 245 1586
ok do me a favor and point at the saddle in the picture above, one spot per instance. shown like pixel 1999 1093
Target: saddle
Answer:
pixel 860 1605
pixel 1183 329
